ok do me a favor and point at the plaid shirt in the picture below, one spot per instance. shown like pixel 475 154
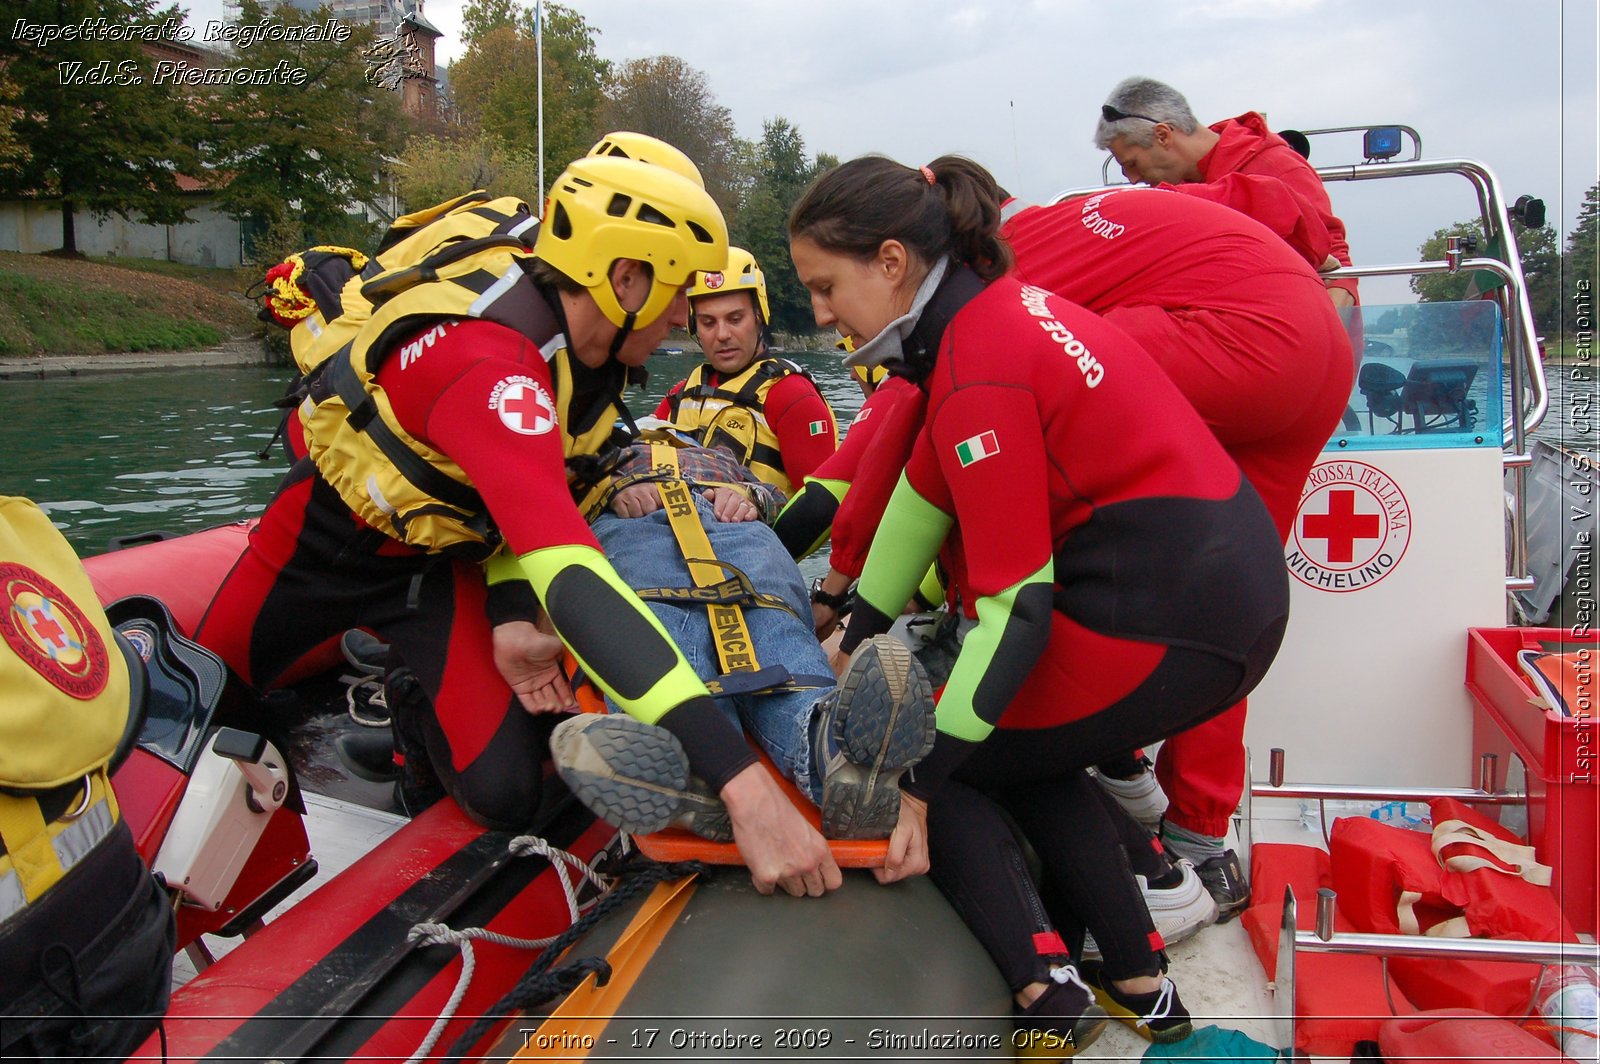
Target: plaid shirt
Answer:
pixel 706 467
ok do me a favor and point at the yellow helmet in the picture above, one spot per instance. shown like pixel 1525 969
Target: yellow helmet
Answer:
pixel 602 209
pixel 625 144
pixel 739 274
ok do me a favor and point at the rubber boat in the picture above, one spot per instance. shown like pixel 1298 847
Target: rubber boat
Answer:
pixel 1405 558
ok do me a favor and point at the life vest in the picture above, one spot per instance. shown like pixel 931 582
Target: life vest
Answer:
pixel 732 415
pixel 459 260
pixel 1449 885
pixel 65 709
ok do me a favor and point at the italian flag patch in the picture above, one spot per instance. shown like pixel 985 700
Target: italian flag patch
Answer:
pixel 977 448
pixel 818 427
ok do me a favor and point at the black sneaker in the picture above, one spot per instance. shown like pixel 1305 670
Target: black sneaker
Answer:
pixel 1158 1016
pixel 1061 1021
pixel 1225 879
pixel 365 652
pixel 879 725
pixel 368 754
pixel 635 777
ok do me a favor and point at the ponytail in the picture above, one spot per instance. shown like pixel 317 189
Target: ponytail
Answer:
pixel 949 207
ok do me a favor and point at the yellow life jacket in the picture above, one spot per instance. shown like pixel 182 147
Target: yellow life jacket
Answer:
pixel 64 709
pixel 732 415
pixel 461 260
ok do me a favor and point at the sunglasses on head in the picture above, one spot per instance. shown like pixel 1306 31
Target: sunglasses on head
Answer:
pixel 1111 114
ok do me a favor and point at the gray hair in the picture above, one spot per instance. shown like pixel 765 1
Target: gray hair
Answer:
pixel 1149 99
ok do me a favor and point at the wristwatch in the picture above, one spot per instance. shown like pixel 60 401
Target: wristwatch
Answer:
pixel 828 599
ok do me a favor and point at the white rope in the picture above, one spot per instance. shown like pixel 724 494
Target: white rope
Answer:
pixel 430 934
pixel 376 697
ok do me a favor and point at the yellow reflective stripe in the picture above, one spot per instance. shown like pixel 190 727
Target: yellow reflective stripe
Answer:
pixel 956 714
pixel 907 542
pixel 675 687
pixel 37 854
pixel 736 651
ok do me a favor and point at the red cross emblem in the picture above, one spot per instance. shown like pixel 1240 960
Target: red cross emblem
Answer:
pixel 713 280
pixel 524 406
pixel 45 628
pixel 1341 526
pixel 1352 528
pixel 49 633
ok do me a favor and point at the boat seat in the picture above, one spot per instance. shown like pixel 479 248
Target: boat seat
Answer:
pixel 1435 394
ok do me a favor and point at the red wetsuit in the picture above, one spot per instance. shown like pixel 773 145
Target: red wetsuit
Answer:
pixel 1244 328
pixel 1247 146
pixel 1126 579
pixel 314 569
pixel 793 407
pixel 1246 331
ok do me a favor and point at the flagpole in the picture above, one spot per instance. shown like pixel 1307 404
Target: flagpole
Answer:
pixel 538 47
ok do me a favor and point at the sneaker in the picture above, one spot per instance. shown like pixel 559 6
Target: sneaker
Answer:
pixel 1061 1021
pixel 1140 796
pixel 879 725
pixel 368 754
pixel 1158 1016
pixel 1226 881
pixel 1179 912
pixel 635 777
pixel 364 651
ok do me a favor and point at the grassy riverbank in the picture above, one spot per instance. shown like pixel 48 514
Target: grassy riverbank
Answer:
pixel 56 306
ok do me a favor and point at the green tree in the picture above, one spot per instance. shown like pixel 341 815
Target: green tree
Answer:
pixel 782 172
pixel 667 98
pixel 433 170
pixel 495 85
pixel 303 152
pixel 1581 257
pixel 1540 268
pixel 94 125
pixel 481 16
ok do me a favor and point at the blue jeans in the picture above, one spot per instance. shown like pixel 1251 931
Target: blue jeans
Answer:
pixel 645 553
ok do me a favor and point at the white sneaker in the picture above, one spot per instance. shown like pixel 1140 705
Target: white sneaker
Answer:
pixel 1179 911
pixel 1140 796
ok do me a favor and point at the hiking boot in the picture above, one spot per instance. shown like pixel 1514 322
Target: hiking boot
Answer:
pixel 368 754
pixel 635 777
pixel 1139 795
pixel 879 724
pixel 1158 1016
pixel 1226 881
pixel 1061 1021
pixel 1179 911
pixel 365 652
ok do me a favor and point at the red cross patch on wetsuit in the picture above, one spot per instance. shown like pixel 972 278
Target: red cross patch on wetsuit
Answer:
pixel 523 405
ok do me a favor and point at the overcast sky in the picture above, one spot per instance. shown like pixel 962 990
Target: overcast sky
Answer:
pixel 1016 84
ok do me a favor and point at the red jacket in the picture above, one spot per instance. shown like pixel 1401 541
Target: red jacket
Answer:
pixel 1249 147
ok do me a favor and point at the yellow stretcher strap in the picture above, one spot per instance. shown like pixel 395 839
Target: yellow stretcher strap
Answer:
pixel 735 651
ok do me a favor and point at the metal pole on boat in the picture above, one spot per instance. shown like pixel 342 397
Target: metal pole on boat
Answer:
pixel 538 51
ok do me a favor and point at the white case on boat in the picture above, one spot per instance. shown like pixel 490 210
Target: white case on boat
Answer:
pixel 215 829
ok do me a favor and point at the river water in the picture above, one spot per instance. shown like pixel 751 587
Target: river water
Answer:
pixel 123 454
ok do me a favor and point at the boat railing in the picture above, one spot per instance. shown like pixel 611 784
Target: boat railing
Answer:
pixel 1324 939
pixel 1293 941
pixel 1487 792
